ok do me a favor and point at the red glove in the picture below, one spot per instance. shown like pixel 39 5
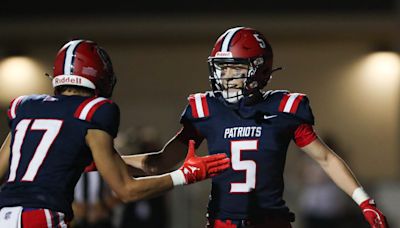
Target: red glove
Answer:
pixel 374 217
pixel 196 169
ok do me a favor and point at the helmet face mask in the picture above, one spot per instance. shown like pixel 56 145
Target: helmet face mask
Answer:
pixel 241 47
pixel 83 63
pixel 229 78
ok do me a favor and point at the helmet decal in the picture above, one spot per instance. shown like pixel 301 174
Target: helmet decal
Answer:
pixel 228 38
pixel 70 56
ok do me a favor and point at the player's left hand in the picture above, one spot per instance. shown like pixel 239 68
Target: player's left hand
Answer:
pixel 199 168
pixel 374 216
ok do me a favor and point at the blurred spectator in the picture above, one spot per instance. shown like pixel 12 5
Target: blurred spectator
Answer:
pixel 322 203
pixel 149 213
pixel 91 203
pixel 388 191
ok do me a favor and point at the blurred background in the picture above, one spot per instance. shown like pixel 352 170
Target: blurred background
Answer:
pixel 343 54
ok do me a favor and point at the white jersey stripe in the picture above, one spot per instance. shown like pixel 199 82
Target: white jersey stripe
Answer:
pixel 13 108
pixel 48 218
pixel 69 56
pixel 290 101
pixel 86 109
pixel 199 105
pixel 228 37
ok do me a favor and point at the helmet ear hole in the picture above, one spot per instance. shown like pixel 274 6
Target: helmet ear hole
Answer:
pixel 253 85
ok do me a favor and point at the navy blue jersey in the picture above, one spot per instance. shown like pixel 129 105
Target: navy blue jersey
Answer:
pixel 256 139
pixel 48 148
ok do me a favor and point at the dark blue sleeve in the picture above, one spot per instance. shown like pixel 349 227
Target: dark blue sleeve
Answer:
pixel 107 118
pixel 186 115
pixel 198 107
pixel 189 131
pixel 304 111
pixel 15 107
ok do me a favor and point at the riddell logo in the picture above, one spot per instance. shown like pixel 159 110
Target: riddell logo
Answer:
pixel 223 54
pixel 68 80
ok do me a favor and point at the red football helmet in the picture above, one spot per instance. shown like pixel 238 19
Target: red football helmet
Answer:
pixel 241 45
pixel 84 63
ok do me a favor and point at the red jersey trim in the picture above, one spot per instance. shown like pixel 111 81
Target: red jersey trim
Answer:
pixel 199 105
pixel 12 111
pixel 91 167
pixel 290 102
pixel 86 110
pixel 304 135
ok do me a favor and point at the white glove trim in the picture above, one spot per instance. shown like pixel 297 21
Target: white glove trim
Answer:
pixel 359 195
pixel 178 178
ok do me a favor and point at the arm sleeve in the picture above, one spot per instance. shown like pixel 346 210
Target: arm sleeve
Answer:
pixel 186 115
pixel 13 108
pixel 304 135
pixel 189 132
pixel 107 118
pixel 304 111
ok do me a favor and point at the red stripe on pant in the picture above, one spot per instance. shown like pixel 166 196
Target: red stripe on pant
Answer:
pixel 275 222
pixel 37 219
pixel 34 219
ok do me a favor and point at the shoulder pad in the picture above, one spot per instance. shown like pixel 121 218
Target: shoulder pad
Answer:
pixel 88 107
pixel 298 105
pixel 290 102
pixel 101 113
pixel 274 95
pixel 14 105
pixel 199 105
pixel 274 92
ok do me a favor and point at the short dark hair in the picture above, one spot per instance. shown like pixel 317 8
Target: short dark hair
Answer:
pixel 60 89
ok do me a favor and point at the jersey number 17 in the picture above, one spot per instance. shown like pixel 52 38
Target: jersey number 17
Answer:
pixel 51 128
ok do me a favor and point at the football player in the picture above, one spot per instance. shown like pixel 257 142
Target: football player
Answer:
pixel 53 138
pixel 254 128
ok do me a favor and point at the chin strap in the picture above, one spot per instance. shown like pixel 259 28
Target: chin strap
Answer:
pixel 49 76
pixel 232 97
pixel 276 69
pixel 253 98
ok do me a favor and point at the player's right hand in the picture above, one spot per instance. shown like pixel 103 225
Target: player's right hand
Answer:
pixel 196 168
pixel 373 216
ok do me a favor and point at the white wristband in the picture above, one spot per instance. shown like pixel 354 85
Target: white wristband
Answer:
pixel 359 195
pixel 177 177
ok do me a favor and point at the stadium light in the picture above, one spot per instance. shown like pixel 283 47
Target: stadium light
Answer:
pixel 18 76
pixel 381 70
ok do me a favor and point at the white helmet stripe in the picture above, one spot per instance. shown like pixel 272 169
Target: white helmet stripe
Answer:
pixel 69 56
pixel 228 37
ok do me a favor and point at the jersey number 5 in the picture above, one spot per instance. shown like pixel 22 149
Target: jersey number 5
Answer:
pixel 51 128
pixel 248 166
